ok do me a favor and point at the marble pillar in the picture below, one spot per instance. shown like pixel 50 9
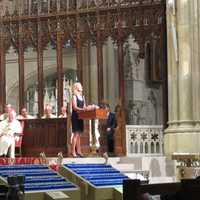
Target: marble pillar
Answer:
pixel 183 36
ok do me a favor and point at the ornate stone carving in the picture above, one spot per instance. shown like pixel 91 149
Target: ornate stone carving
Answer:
pixel 144 140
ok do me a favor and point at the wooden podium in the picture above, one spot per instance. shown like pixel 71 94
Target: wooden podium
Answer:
pixel 93 115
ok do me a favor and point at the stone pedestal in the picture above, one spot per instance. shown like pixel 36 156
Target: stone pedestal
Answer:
pixel 188 166
pixel 187 172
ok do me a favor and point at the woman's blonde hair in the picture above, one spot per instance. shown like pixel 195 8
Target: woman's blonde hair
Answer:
pixel 75 87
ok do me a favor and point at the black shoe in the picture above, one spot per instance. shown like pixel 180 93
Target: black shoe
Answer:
pixel 80 155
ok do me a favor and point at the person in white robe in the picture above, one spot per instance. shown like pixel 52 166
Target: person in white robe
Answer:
pixel 10 129
pixel 7 109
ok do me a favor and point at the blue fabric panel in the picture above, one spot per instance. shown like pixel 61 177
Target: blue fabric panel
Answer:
pixel 98 174
pixel 37 177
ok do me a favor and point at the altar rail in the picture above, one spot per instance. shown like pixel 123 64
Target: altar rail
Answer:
pixel 144 140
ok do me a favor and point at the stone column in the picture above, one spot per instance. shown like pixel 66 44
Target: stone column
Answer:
pixel 93 74
pixel 183 132
pixel 110 74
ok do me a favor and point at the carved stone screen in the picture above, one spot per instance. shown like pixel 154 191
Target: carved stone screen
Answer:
pixel 143 96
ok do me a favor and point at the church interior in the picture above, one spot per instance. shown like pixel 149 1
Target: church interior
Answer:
pixel 135 66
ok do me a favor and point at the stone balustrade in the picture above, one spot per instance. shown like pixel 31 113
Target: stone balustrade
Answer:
pixel 145 139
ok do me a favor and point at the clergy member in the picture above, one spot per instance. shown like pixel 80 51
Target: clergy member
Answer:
pixel 9 130
pixel 7 109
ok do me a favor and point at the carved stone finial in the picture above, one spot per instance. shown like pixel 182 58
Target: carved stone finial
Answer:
pixel 60 159
pixel 43 158
pixel 105 156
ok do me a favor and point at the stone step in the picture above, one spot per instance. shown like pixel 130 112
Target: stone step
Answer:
pixel 133 175
pixel 158 166
pixel 166 179
pixel 124 167
pixel 97 160
pixel 136 161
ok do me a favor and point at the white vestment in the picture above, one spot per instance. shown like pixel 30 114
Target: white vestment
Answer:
pixel 3 116
pixel 7 136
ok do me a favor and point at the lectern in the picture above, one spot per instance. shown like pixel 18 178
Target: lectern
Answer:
pixel 93 115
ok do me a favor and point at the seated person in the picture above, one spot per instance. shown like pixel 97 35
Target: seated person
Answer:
pixel 63 112
pixel 48 112
pixel 9 128
pixel 24 114
pixel 7 108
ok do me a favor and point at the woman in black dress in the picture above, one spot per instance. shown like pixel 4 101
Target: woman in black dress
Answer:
pixel 78 104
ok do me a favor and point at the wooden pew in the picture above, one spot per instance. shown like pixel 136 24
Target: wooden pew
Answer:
pixel 187 189
pixel 3 192
pixel 134 190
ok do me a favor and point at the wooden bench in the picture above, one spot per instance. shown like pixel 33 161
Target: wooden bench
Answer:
pixel 187 189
